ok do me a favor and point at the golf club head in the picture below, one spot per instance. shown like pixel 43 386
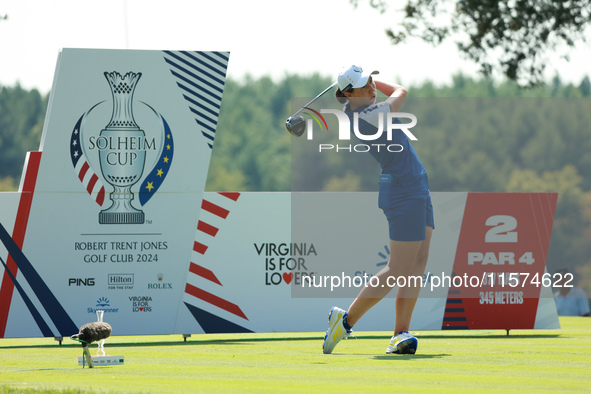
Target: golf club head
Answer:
pixel 296 125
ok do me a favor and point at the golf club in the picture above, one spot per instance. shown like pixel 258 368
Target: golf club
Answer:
pixel 296 124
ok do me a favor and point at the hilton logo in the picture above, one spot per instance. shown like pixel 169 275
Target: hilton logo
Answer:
pixel 120 281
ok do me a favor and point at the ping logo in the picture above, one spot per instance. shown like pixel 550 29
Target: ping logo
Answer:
pixel 80 281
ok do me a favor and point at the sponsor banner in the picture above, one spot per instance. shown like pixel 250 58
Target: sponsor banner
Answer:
pixel 249 273
pixel 108 211
pixel 251 256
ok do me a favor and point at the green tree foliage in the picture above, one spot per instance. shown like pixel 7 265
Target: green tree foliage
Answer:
pixel 252 150
pixel 7 184
pixel 21 121
pixel 570 237
pixel 513 37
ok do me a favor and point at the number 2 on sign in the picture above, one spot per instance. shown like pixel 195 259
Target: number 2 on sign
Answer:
pixel 501 232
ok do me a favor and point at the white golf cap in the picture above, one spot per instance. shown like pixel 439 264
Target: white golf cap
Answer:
pixel 353 77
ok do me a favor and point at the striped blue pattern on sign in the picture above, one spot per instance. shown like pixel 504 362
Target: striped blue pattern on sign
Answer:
pixel 201 76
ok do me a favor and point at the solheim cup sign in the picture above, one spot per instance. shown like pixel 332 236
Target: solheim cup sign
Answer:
pixel 107 216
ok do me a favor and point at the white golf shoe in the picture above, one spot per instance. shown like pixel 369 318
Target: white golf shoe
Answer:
pixel 402 343
pixel 336 330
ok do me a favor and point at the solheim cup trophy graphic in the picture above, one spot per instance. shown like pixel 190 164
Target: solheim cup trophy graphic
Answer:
pixel 122 157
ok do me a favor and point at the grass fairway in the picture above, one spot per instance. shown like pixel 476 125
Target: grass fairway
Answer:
pixel 462 361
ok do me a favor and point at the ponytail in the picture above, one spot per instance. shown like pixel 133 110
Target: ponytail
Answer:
pixel 340 96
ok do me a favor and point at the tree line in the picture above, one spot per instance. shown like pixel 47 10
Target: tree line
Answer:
pixel 473 135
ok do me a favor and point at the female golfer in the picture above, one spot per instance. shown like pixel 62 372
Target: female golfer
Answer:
pixel 406 201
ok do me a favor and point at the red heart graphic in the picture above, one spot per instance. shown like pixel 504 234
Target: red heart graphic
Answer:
pixel 287 277
pixel 141 309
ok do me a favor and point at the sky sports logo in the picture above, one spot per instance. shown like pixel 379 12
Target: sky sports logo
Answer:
pixel 386 122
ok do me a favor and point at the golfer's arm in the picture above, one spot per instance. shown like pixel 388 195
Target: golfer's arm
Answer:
pixel 396 93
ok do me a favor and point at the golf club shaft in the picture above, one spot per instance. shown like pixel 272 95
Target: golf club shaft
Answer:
pixel 314 99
